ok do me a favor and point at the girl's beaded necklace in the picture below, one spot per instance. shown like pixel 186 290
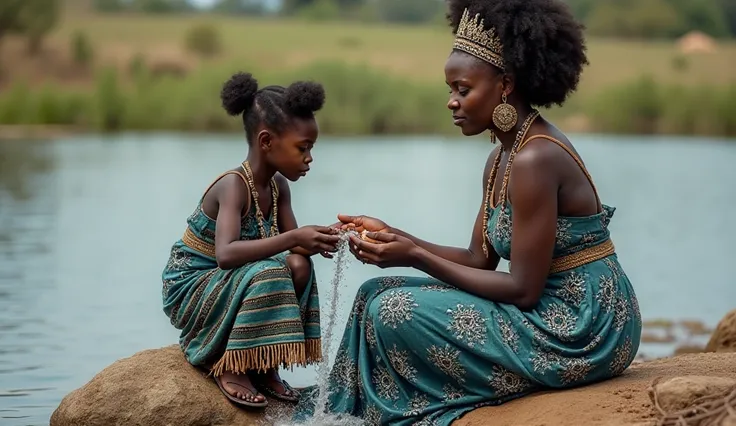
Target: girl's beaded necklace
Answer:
pixel 259 214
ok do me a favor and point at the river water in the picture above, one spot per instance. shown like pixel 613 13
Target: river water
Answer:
pixel 87 224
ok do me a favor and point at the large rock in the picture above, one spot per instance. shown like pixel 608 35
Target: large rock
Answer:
pixel 620 401
pixel 155 388
pixel 682 392
pixel 158 387
pixel 723 338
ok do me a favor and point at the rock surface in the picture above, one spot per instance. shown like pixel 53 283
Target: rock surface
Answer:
pixel 158 387
pixel 682 392
pixel 155 388
pixel 723 338
pixel 620 401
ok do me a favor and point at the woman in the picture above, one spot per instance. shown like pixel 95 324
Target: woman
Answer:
pixel 427 350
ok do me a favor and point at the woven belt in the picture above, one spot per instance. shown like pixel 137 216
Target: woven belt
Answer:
pixel 582 257
pixel 195 243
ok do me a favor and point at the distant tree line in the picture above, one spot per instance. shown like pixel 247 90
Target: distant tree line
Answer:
pixel 656 18
pixel 636 19
pixel 642 19
pixel 409 11
pixel 145 6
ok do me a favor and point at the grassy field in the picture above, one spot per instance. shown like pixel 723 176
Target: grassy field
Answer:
pixel 272 48
pixel 417 52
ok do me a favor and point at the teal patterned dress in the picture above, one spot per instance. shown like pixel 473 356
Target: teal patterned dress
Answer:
pixel 419 352
pixel 242 319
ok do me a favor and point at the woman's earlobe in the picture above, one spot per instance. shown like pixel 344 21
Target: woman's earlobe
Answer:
pixel 508 84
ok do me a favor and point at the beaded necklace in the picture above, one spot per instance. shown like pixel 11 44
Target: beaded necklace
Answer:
pixel 494 171
pixel 254 193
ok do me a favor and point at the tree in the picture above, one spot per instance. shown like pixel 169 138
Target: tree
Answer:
pixel 245 7
pixel 409 11
pixel 728 8
pixel 291 6
pixel 702 15
pixel 32 18
pixel 10 12
pixel 581 8
pixel 659 18
pixel 634 19
pixel 160 6
pixel 110 5
pixel 37 18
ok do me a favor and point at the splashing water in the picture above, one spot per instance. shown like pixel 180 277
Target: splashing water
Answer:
pixel 321 417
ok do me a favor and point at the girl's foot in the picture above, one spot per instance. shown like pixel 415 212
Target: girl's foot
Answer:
pixel 239 389
pixel 271 383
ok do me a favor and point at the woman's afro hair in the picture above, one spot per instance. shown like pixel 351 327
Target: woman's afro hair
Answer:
pixel 543 45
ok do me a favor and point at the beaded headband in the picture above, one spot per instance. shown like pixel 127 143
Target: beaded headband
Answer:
pixel 472 38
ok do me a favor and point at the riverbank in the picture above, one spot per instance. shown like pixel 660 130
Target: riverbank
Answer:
pixel 136 73
pixel 360 101
pixel 158 387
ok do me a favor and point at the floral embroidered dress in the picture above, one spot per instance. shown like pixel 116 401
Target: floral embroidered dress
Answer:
pixel 419 352
pixel 240 319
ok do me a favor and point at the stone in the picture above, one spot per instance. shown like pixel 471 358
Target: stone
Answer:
pixel 681 392
pixel 723 338
pixel 623 400
pixel 155 388
pixel 158 387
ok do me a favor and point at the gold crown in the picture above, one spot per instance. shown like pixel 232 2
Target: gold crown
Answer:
pixel 472 38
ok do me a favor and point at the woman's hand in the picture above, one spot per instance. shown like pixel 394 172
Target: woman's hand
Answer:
pixel 390 250
pixel 363 223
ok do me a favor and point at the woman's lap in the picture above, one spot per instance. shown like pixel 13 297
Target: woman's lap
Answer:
pixel 415 348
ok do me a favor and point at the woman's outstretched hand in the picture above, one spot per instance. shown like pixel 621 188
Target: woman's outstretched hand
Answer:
pixel 363 223
pixel 389 250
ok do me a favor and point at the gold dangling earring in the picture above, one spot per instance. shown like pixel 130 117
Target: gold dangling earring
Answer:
pixel 493 138
pixel 504 115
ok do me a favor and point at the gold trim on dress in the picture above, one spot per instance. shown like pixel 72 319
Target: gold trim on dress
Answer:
pixel 582 257
pixel 195 243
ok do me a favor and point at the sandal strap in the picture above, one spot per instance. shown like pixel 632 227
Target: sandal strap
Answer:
pixel 252 391
pixel 287 388
pixel 285 384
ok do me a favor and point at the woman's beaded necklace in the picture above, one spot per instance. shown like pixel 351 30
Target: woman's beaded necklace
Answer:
pixel 254 193
pixel 494 171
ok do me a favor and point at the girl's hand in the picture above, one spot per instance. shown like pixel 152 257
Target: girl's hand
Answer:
pixel 391 250
pixel 363 223
pixel 317 239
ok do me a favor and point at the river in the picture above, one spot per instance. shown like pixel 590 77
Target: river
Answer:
pixel 87 224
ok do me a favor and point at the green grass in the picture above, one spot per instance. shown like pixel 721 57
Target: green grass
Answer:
pixel 417 52
pixel 360 100
pixel 379 79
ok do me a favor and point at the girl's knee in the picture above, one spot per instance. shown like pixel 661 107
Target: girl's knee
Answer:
pixel 301 271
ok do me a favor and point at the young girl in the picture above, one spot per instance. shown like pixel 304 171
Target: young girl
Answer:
pixel 243 304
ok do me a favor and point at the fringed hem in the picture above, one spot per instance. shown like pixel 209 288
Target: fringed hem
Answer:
pixel 314 351
pixel 263 358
